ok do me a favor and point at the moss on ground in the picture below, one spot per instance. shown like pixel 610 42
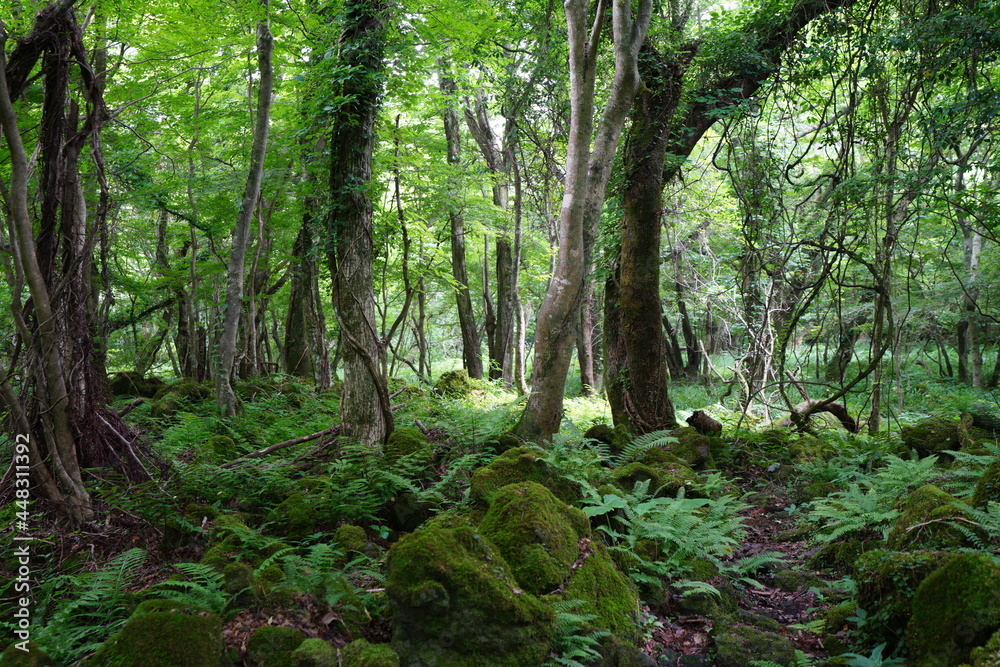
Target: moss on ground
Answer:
pixel 454 384
pixel 741 645
pixel 956 609
pixel 295 517
pixel 13 656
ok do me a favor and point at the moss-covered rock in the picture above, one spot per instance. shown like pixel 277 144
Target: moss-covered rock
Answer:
pixel 314 652
pixel 816 490
pixel 836 617
pixel 134 384
pixel 294 517
pixel 796 580
pixel 272 646
pixel 887 582
pixel 34 656
pixel 741 645
pixel 172 397
pixel 616 438
pixel 666 474
pixel 927 521
pixel 350 539
pixel 176 533
pixel 606 593
pixel 237 577
pixel 956 609
pixel 164 633
pixel 199 513
pixel 454 383
pixel 988 486
pixel 936 434
pixel 408 511
pixel 704 603
pixel 361 653
pixel 220 448
pixel 406 442
pixel 521 464
pixel 536 533
pixel 692 447
pixel 987 655
pixel 456 602
pixel 502 443
pixel 841 556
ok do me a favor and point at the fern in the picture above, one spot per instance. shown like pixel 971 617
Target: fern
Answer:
pixel 203 588
pixel 642 444
pixel 801 660
pixel 575 642
pixel 99 608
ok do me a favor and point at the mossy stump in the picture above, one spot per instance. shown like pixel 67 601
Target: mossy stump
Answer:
pixel 455 602
pixel 955 609
pixel 164 633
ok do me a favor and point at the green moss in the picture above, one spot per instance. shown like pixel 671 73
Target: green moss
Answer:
pixel 887 582
pixel 454 383
pixel 740 645
pixel 314 652
pixel 134 384
pixel 503 442
pixel 218 556
pixel 703 603
pixel 197 512
pixel 176 534
pixel 817 490
pixel 537 534
pixel 836 617
pixel 925 524
pixel 521 464
pixel 956 609
pixel 220 448
pixel 226 525
pixel 170 398
pixel 33 657
pixel 237 577
pixel 408 441
pixel 933 435
pixel 164 633
pixel 294 517
pixel 796 581
pixel 616 438
pixel 988 487
pixel 841 556
pixel 361 653
pixel 350 538
pixel 272 646
pixel 692 447
pixel 987 655
pixel 454 600
pixel 606 592
pixel 666 473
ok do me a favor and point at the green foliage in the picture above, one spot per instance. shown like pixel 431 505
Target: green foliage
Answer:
pixel 88 608
pixel 642 444
pixel 575 641
pixel 874 659
pixel 204 588
pixel 868 504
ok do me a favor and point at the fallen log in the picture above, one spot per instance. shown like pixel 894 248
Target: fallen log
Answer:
pixel 281 445
pixel 811 406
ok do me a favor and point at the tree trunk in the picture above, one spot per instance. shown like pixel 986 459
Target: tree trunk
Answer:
pixel 365 412
pixel 225 397
pixel 471 359
pixel 298 353
pixel 587 174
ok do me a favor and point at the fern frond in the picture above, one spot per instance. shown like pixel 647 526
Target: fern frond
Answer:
pixel 642 444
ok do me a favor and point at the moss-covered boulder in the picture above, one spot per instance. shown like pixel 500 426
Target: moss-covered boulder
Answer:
pixel 794 581
pixel 887 581
pixel 294 517
pixel 350 539
pixel 361 653
pixel 988 486
pixel 273 646
pixel 172 397
pixel 665 473
pixel 521 464
pixel 502 443
pixel 454 384
pixel 987 655
pixel 15 655
pixel 455 602
pixel 936 434
pixel 705 603
pixel 841 557
pixel 164 633
pixel 605 592
pixel 616 438
pixel 536 533
pixel 692 447
pixel 220 448
pixel 740 645
pixel 955 609
pixel 314 652
pixel 928 521
pixel 406 442
pixel 134 384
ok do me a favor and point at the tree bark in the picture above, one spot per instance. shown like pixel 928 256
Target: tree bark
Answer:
pixel 224 395
pixel 365 411
pixel 298 353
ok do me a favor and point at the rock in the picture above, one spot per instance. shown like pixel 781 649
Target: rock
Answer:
pixel 361 653
pixel 272 646
pixel 666 473
pixel 924 523
pixel 350 539
pixel 988 486
pixel 315 652
pixel 455 601
pixel 33 657
pixel 294 517
pixel 164 633
pixel 172 397
pixel 794 581
pixel 521 464
pixel 987 655
pixel 887 581
pixel 133 384
pixel 616 438
pixel 408 442
pixel 536 533
pixel 503 442
pixel 841 556
pixel 454 384
pixel 692 447
pixel 606 593
pixel 741 645
pixel 936 434
pixel 955 609
pixel 220 448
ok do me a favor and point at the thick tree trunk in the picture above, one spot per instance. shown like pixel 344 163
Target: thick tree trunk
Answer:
pixel 365 412
pixel 587 174
pixel 225 397
pixel 298 353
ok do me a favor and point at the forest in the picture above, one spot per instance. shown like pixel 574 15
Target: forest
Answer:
pixel 380 333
